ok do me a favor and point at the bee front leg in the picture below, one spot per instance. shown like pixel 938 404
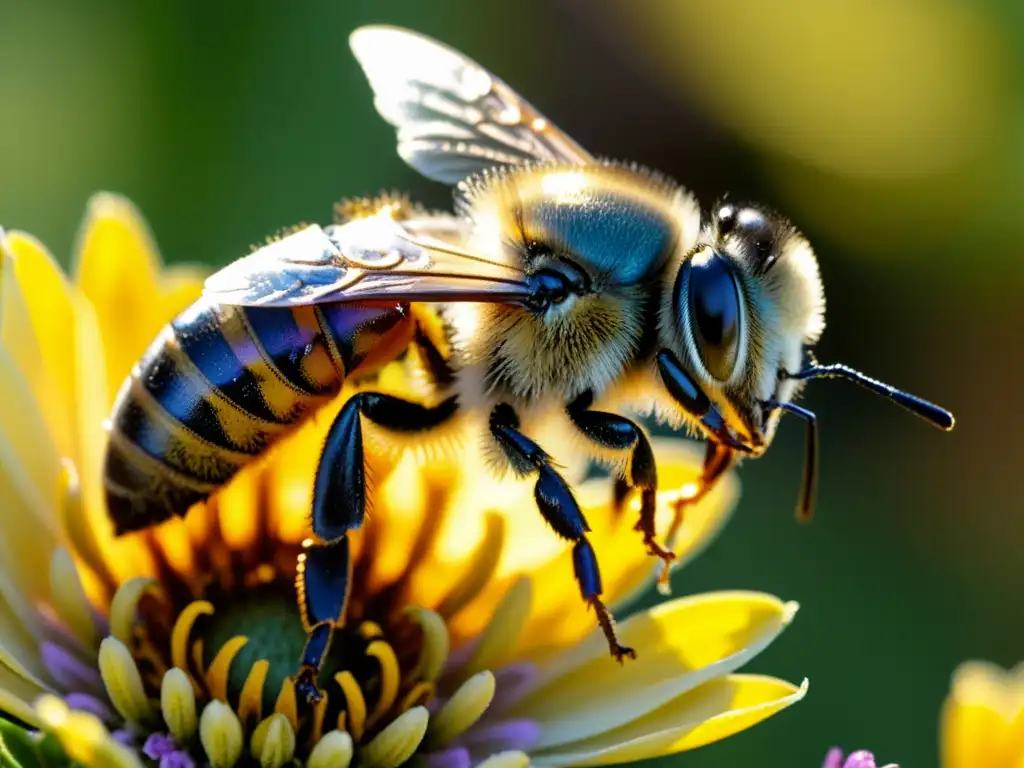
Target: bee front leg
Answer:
pixel 339 506
pixel 617 433
pixel 560 509
pixel 717 460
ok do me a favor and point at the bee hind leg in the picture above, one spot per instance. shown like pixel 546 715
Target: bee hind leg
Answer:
pixel 322 581
pixel 617 433
pixel 560 509
pixel 339 505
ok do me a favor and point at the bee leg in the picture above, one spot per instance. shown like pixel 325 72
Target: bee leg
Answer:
pixel 322 581
pixel 339 505
pixel 339 492
pixel 560 509
pixel 617 433
pixel 717 460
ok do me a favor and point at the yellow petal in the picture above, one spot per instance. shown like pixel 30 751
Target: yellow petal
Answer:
pixel 15 695
pixel 397 742
pixel 709 713
pixel 334 750
pixel 69 598
pixel 981 718
pixel 37 323
pixel 510 759
pixel 220 734
pixel 502 633
pixel 118 269
pixel 83 736
pixel 680 645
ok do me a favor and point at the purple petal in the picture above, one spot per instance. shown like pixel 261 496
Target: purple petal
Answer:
pixel 834 758
pixel 502 736
pixel 860 759
pixel 86 703
pixel 158 744
pixel 510 684
pixel 450 758
pixel 177 759
pixel 69 672
pixel 124 737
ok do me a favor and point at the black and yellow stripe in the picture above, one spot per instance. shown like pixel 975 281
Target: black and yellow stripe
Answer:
pixel 219 385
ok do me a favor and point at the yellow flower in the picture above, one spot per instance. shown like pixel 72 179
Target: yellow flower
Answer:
pixel 982 720
pixel 465 640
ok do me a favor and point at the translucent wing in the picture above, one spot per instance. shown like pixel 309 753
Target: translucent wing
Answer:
pixel 367 259
pixel 454 118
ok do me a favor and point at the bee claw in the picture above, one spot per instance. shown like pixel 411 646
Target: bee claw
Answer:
pixel 654 549
pixel 621 652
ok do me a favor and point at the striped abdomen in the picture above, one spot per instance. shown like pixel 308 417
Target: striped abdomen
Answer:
pixel 219 385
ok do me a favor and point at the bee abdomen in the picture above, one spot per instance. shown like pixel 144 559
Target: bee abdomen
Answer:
pixel 212 392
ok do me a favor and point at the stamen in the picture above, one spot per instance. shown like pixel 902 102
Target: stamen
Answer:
pixel 355 705
pixel 389 678
pixel 220 667
pixel 398 742
pixel 123 682
pixel 511 759
pixel 273 742
pixel 479 570
pixel 319 715
pixel 435 644
pixel 463 709
pixel 334 750
pixel 69 598
pixel 250 701
pixel 178 705
pixel 418 695
pixel 197 659
pixel 182 631
pixel 503 631
pixel 220 734
pixel 286 703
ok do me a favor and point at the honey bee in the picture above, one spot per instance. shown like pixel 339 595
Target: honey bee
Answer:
pixel 568 287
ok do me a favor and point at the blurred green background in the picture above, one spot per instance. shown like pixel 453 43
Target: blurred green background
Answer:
pixel 891 131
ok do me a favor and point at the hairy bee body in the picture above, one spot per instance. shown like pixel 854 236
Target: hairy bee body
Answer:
pixel 567 286
pixel 220 384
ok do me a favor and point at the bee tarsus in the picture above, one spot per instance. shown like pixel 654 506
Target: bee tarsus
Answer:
pixel 616 433
pixel 718 459
pixel 560 509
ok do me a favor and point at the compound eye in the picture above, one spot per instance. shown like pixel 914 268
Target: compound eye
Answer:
pixel 714 305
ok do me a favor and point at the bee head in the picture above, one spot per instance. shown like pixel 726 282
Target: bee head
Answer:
pixel 745 302
pixel 745 307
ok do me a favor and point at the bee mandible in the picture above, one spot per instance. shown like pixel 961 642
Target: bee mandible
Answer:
pixel 568 287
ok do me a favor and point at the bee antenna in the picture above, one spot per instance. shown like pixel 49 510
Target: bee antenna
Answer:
pixel 930 412
pixel 809 487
